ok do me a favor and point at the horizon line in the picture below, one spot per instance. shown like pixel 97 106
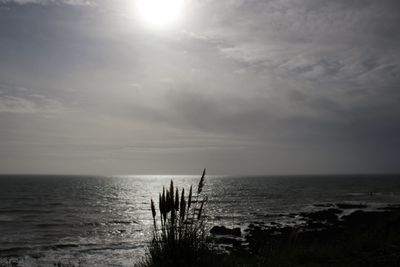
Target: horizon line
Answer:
pixel 210 175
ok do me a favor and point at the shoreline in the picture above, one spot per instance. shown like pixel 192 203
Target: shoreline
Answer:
pixel 330 224
pixel 329 216
pixel 340 234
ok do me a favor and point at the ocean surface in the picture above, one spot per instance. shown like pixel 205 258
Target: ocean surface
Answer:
pixel 106 221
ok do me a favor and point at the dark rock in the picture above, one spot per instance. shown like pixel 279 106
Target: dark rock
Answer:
pixel 329 215
pixel 222 230
pixel 286 230
pixel 359 217
pixel 315 225
pixel 228 241
pixel 334 211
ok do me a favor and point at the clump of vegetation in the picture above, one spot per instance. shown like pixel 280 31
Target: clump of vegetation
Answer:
pixel 179 237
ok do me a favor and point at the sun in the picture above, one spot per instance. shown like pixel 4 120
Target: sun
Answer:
pixel 160 13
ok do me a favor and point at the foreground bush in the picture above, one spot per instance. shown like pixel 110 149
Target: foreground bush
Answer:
pixel 178 228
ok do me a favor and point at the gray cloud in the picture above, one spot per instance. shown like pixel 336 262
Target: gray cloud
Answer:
pixel 32 103
pixel 242 87
pixel 46 2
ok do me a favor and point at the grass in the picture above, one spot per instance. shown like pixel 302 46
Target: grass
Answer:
pixel 179 237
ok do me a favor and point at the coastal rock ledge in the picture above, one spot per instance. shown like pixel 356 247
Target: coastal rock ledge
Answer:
pixel 222 230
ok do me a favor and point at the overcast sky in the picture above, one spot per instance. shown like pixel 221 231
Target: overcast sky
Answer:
pixel 237 86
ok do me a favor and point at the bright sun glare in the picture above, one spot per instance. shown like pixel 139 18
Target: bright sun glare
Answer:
pixel 160 13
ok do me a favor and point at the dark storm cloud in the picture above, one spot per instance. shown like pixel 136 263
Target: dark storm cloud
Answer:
pixel 243 86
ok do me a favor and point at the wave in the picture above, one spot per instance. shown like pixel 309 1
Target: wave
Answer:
pixel 14 251
pixel 26 211
pixel 5 218
pixel 45 225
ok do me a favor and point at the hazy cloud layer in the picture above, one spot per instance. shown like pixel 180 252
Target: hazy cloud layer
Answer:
pixel 240 87
pixel 46 2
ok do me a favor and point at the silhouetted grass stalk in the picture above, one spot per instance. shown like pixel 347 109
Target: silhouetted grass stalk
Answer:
pixel 179 231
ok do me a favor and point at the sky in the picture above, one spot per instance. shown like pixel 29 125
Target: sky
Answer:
pixel 236 86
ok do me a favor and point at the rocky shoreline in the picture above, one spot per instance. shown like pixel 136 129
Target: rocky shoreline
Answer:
pixel 333 223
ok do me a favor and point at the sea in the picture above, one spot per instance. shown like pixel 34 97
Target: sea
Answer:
pixel 106 220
